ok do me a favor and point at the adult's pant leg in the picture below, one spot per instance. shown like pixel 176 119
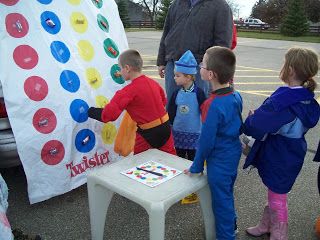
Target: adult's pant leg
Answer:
pixel 170 84
pixel 204 85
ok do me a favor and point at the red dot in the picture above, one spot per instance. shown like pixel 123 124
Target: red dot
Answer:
pixel 52 152
pixel 25 57
pixel 9 2
pixel 36 88
pixel 44 120
pixel 16 24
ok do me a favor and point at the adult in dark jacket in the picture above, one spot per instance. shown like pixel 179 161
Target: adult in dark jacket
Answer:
pixel 193 25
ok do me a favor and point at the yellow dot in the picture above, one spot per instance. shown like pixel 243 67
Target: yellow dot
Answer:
pixel 93 78
pixel 74 2
pixel 101 101
pixel 78 22
pixel 86 50
pixel 108 133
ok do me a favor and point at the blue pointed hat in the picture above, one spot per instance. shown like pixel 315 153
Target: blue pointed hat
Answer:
pixel 187 64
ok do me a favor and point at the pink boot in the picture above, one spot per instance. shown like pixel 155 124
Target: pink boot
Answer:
pixel 278 230
pixel 263 227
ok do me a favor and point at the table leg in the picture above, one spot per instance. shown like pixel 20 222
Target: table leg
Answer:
pixel 99 200
pixel 207 213
pixel 157 222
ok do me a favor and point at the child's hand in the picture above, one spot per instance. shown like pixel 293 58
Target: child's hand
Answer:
pixel 161 70
pixel 251 112
pixel 187 172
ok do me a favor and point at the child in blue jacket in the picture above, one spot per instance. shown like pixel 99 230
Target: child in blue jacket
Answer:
pixel 279 126
pixel 219 142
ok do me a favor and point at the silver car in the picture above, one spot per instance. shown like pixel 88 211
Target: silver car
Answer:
pixel 8 148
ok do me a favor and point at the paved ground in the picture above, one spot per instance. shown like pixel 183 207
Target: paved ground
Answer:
pixel 67 216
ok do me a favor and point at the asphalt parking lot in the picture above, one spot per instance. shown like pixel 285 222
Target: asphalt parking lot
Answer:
pixel 67 216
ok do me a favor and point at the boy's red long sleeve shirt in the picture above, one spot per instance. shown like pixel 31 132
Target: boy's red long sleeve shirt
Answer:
pixel 144 99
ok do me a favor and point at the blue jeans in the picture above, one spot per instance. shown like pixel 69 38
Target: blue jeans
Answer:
pixel 171 85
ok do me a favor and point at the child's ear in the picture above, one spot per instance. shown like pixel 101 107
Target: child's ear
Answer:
pixel 127 68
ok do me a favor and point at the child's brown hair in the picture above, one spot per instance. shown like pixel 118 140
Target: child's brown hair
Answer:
pixel 131 58
pixel 304 62
pixel 222 61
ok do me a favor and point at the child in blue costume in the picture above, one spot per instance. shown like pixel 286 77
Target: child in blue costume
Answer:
pixel 184 111
pixel 219 142
pixel 184 107
pixel 279 126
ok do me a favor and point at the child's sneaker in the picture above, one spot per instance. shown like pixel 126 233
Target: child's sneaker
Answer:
pixel 192 198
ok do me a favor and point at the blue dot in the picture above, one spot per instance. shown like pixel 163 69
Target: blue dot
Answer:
pixel 79 110
pixel 50 22
pixel 60 51
pixel 45 1
pixel 85 140
pixel 70 81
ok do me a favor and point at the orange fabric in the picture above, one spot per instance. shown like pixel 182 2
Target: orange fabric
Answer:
pixel 155 122
pixel 125 139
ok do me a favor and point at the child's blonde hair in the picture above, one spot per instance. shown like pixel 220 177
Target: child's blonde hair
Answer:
pixel 222 61
pixel 192 77
pixel 131 58
pixel 304 62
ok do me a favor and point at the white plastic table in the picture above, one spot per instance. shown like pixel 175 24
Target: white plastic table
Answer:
pixel 104 182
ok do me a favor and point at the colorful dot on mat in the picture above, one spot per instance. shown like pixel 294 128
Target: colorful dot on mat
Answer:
pixel 110 48
pixel 70 81
pixel 101 101
pixel 36 88
pixel 163 168
pixel 79 110
pixel 60 51
pixel 154 179
pixel 52 152
pixel 108 133
pixel 9 2
pixel 115 73
pixel 50 22
pixel 93 78
pixel 136 173
pixel 85 140
pixel 74 2
pixel 86 50
pixel 44 120
pixel 79 22
pixel 17 25
pixel 143 178
pixel 103 23
pixel 144 167
pixel 166 170
pixel 45 1
pixel 97 3
pixel 129 172
pixel 25 57
pixel 159 166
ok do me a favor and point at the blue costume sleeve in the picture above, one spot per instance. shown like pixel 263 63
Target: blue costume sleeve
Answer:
pixel 172 107
pixel 266 120
pixel 207 138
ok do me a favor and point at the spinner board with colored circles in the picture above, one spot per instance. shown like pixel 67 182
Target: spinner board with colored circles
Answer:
pixel 151 173
pixel 58 58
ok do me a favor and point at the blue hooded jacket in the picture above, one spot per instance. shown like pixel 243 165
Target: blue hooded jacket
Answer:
pixel 279 126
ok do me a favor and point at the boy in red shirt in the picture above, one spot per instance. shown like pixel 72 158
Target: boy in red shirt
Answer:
pixel 145 101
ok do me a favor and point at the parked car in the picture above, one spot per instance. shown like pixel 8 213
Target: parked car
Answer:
pixel 255 23
pixel 8 148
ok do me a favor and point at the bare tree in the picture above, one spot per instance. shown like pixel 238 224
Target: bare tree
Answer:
pixel 151 7
pixel 235 7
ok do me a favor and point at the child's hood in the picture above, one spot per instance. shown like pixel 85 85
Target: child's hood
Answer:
pixel 300 101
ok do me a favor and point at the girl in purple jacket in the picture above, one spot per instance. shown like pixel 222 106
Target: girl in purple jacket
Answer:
pixel 279 126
